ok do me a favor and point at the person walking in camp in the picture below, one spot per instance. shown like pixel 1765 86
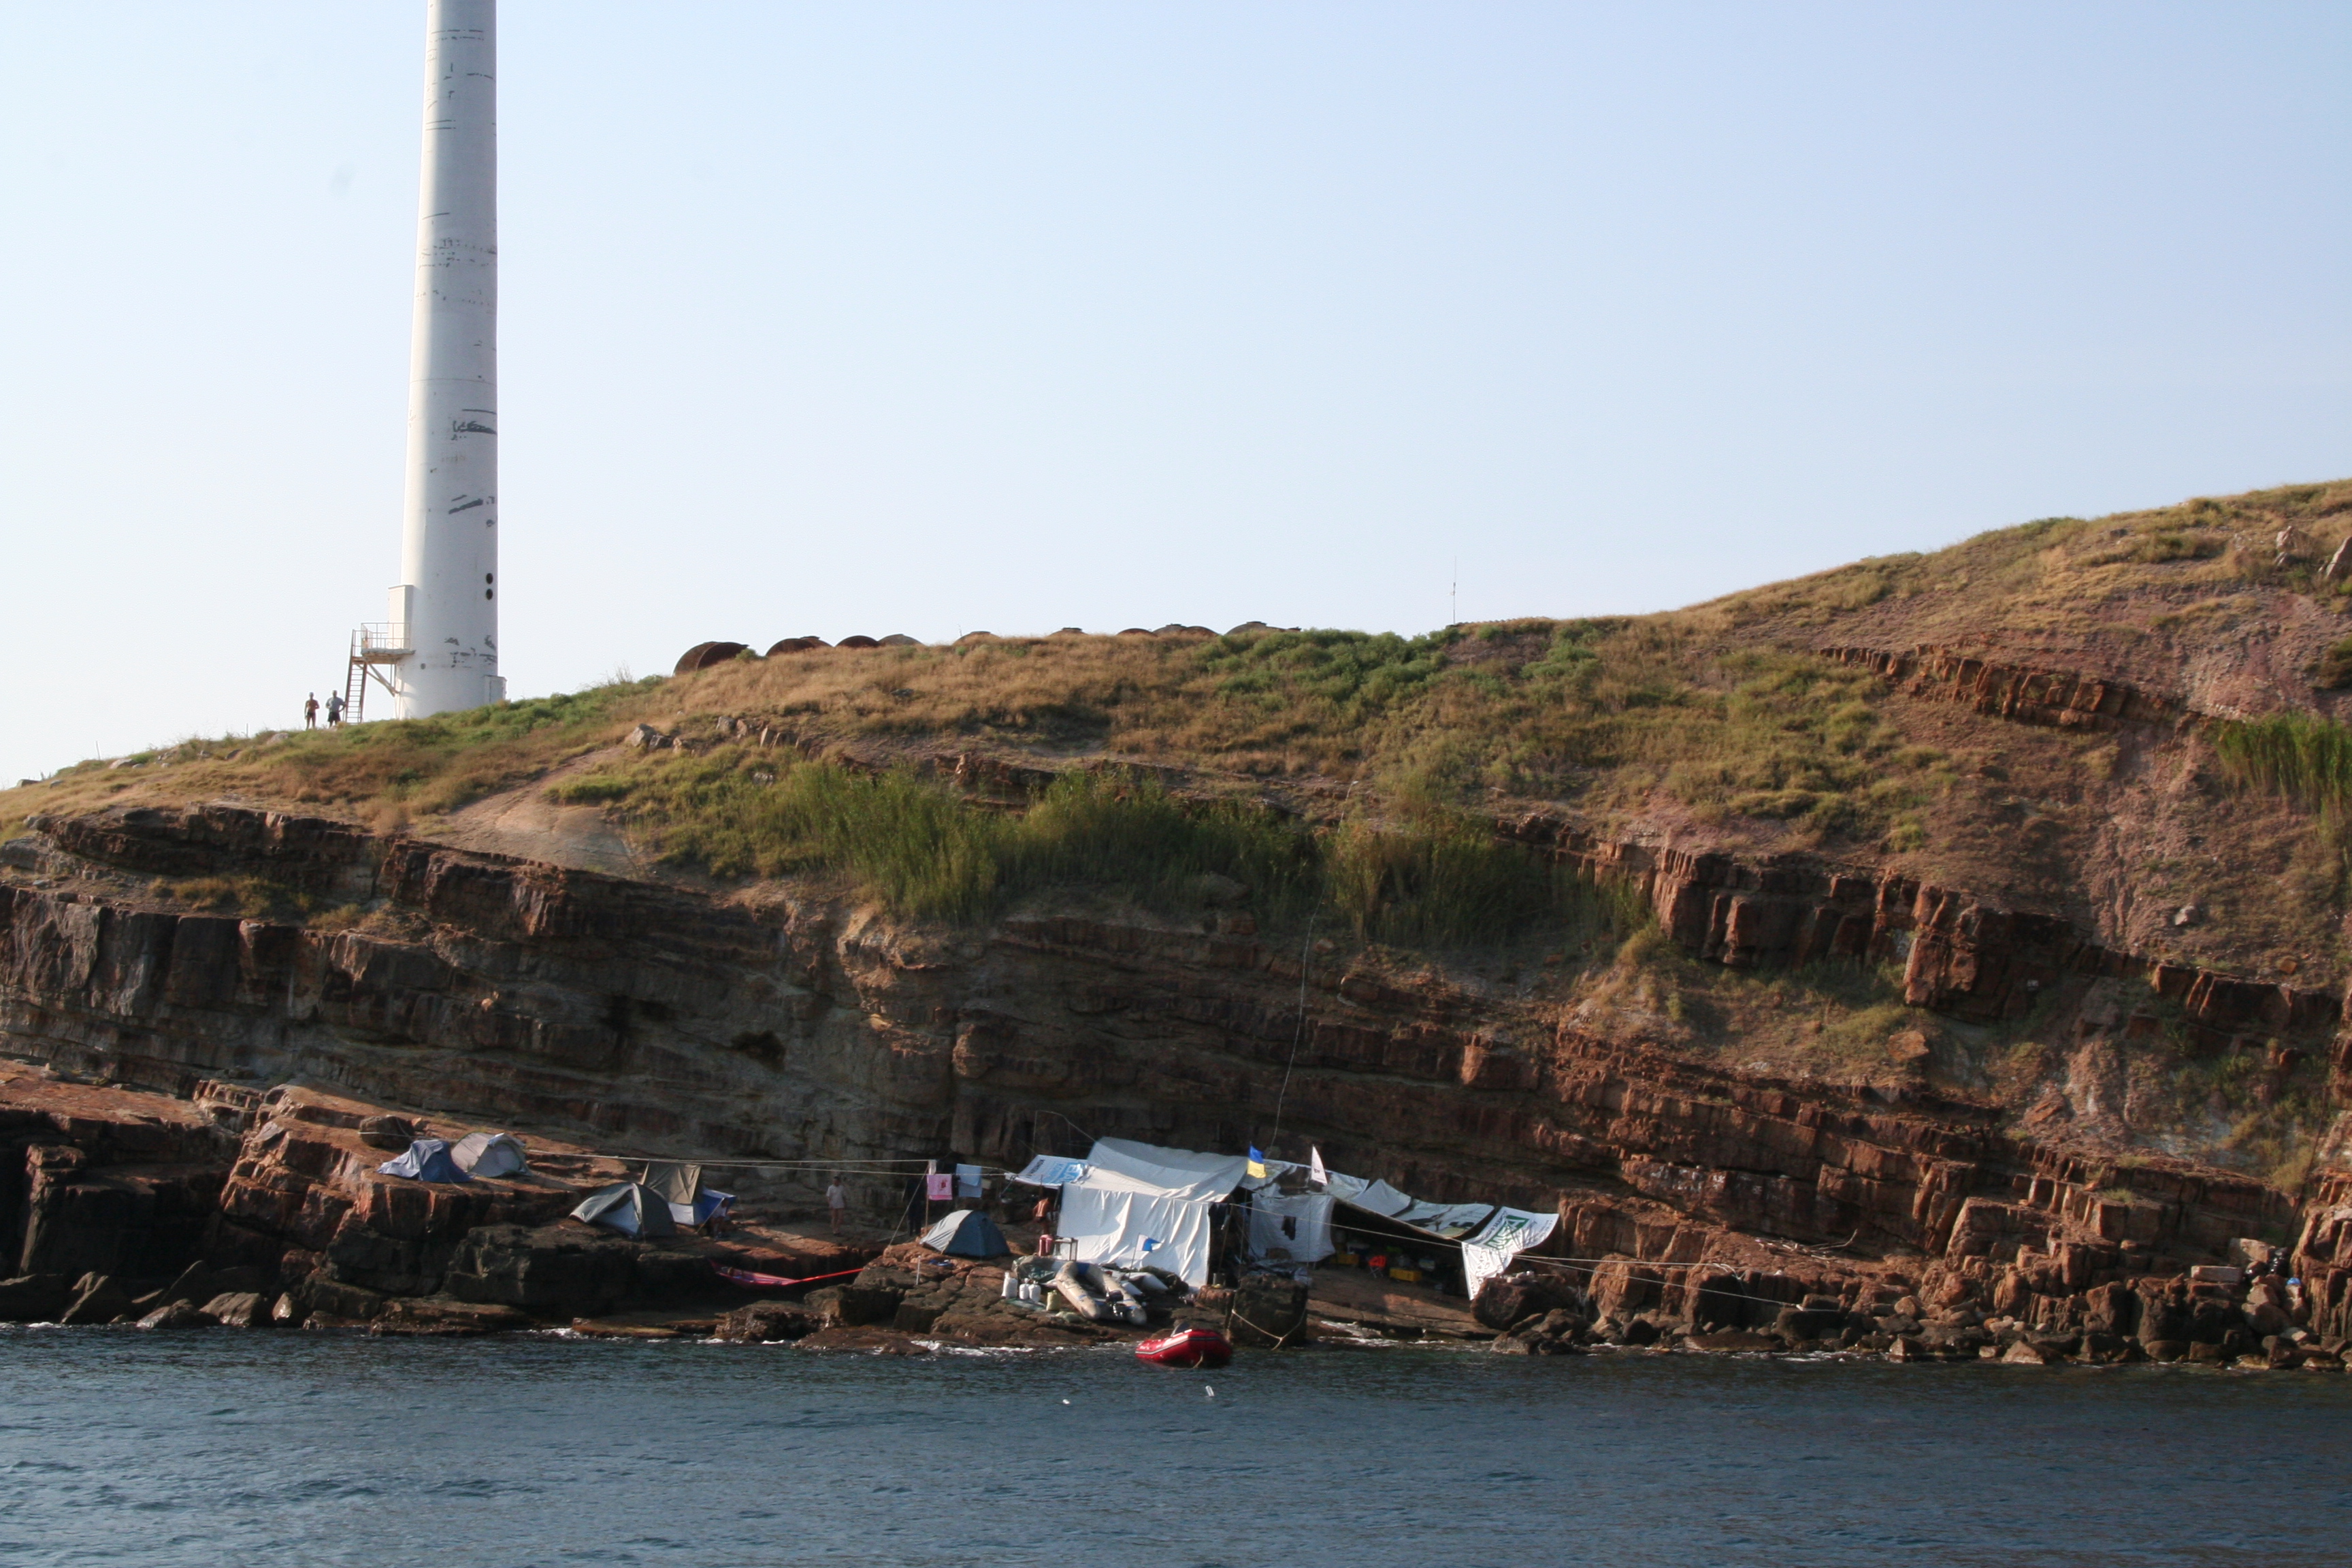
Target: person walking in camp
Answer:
pixel 836 1201
pixel 334 709
pixel 310 711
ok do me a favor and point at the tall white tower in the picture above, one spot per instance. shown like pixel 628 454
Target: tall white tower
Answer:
pixel 446 610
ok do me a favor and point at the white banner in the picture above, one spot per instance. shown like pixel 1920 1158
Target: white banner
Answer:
pixel 1501 1239
pixel 1051 1171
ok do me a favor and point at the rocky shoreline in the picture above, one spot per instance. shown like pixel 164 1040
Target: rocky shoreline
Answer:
pixel 251 1210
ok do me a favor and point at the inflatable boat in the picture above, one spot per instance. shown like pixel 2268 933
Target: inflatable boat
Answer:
pixel 1187 1348
pixel 1098 1295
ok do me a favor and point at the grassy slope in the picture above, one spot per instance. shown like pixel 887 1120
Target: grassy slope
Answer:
pixel 1719 724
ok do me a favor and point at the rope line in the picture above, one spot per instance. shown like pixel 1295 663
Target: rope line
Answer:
pixel 1306 951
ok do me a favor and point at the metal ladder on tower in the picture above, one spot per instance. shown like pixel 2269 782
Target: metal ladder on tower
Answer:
pixel 355 686
pixel 375 645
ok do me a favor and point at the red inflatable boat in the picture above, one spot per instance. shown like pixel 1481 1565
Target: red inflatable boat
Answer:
pixel 1188 1348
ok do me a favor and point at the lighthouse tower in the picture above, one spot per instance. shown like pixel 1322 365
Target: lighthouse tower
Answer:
pixel 438 647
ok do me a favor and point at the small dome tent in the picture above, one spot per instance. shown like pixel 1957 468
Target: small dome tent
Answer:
pixel 967 1233
pixel 428 1160
pixel 489 1154
pixel 629 1208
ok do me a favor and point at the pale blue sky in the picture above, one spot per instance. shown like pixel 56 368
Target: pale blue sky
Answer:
pixel 926 318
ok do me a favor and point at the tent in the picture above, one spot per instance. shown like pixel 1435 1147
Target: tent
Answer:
pixel 1297 1227
pixel 630 1207
pixel 1110 1218
pixel 428 1160
pixel 678 1183
pixel 967 1233
pixel 1180 1172
pixel 489 1154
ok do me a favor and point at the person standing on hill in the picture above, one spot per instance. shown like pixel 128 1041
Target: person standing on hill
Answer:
pixel 334 709
pixel 836 1201
pixel 310 711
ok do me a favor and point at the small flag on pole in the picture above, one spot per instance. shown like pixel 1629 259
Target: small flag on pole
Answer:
pixel 1256 1163
pixel 1314 1170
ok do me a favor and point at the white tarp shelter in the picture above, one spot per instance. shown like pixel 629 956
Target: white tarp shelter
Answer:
pixel 1297 1227
pixel 1373 1197
pixel 1111 1218
pixel 1501 1239
pixel 1179 1172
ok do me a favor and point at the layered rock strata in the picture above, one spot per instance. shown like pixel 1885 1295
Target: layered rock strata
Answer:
pixel 627 1017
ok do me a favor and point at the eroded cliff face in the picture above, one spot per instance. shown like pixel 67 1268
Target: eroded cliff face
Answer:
pixel 632 1018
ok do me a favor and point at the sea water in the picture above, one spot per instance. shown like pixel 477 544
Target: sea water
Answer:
pixel 251 1448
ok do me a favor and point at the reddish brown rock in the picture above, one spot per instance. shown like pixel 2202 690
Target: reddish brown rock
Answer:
pixel 633 1016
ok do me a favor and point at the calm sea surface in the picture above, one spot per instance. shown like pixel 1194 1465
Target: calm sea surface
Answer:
pixel 248 1450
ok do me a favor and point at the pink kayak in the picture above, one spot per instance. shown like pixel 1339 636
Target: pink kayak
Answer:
pixel 1187 1348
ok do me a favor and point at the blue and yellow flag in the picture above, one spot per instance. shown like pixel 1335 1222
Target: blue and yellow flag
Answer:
pixel 1256 1163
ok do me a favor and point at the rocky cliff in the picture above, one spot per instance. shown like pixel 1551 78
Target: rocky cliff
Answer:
pixel 1965 929
pixel 623 1017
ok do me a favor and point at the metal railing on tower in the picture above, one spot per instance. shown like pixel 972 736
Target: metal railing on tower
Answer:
pixel 374 646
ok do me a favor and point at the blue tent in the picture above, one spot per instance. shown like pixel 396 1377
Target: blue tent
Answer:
pixel 967 1233
pixel 428 1160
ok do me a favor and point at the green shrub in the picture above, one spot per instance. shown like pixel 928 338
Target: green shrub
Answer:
pixel 1437 880
pixel 2334 671
pixel 2299 756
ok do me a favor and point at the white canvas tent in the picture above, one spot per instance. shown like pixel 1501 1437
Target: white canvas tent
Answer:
pixel 1131 1203
pixel 1179 1172
pixel 1110 1218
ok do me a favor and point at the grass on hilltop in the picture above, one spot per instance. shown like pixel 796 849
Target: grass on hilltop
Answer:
pixel 1717 717
pixel 2049 570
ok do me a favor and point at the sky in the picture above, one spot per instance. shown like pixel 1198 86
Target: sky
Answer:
pixel 934 318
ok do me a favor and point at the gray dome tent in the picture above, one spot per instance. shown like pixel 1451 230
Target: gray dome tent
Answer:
pixel 629 1208
pixel 489 1154
pixel 967 1233
pixel 428 1160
